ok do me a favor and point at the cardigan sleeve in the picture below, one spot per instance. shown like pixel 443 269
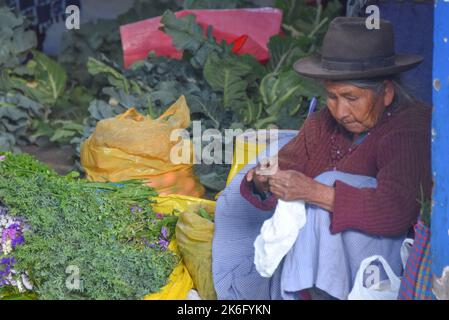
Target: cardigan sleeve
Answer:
pixel 390 209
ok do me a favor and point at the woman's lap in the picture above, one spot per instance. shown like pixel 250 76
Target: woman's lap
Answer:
pixel 317 258
pixel 330 262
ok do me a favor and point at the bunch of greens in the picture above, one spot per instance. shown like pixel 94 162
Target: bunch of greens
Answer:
pixel 108 232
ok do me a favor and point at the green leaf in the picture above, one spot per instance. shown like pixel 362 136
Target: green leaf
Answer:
pixel 307 23
pixel 228 76
pixel 100 110
pixel 185 32
pixel 205 215
pixel 16 41
pixel 291 86
pixel 69 125
pixel 41 129
pixel 284 52
pixel 24 43
pixel 115 78
pixel 50 76
pixel 47 82
pixel 62 135
pixel 187 35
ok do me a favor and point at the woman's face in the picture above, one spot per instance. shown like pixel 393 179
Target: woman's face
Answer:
pixel 357 109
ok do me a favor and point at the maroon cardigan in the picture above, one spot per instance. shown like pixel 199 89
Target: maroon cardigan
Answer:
pixel 396 152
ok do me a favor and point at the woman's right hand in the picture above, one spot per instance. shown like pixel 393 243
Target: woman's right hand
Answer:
pixel 260 174
pixel 260 181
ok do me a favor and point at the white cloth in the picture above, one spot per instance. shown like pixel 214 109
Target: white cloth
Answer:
pixel 277 236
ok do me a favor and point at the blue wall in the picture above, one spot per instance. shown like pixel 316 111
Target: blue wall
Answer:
pixel 440 140
pixel 413 28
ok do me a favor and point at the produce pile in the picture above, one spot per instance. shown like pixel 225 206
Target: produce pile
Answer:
pixel 52 226
pixel 61 101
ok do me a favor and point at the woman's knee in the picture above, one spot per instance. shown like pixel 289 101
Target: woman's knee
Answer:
pixel 329 178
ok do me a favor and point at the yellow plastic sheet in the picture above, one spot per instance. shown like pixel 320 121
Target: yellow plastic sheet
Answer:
pixel 134 146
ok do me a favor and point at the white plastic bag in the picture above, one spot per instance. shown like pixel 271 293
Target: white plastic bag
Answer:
pixel 382 290
pixel 405 250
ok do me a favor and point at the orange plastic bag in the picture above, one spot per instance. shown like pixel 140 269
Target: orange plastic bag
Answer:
pixel 133 146
pixel 249 29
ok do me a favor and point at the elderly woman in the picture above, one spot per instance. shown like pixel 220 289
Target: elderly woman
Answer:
pixel 361 165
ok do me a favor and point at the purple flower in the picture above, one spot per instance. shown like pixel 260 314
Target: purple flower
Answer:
pixel 163 239
pixel 164 233
pixel 2 158
pixel 17 241
pixel 8 261
pixel 145 241
pixel 163 243
pixel 135 208
pixel 159 216
pixel 12 233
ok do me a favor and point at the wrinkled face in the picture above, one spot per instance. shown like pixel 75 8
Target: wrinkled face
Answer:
pixel 355 108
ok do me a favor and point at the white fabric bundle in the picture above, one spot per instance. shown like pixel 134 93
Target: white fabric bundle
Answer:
pixel 277 236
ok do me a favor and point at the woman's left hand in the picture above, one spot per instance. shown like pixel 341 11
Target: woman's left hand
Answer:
pixel 293 185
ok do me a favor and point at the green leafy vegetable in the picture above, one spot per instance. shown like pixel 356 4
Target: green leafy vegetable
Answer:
pixel 204 214
pixel 107 231
pixel 16 41
pixel 44 79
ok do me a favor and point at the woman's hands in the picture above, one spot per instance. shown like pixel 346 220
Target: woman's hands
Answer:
pixel 290 185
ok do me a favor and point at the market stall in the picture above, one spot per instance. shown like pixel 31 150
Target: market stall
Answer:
pixel 114 217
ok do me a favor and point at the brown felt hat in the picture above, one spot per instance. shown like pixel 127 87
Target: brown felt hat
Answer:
pixel 351 51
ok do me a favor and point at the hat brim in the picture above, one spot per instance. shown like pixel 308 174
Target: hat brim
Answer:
pixel 311 67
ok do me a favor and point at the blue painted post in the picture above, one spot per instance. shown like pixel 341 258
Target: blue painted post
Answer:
pixel 440 151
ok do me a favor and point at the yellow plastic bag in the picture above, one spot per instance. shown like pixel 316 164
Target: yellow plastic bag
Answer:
pixel 180 281
pixel 133 146
pixel 194 235
pixel 247 147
